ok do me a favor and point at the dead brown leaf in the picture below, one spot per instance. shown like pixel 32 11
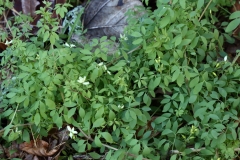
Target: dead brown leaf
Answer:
pixel 38 148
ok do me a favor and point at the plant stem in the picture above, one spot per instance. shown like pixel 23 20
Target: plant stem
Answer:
pixel 236 58
pixel 205 10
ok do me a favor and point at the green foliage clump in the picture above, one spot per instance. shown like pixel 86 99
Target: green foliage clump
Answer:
pixel 164 93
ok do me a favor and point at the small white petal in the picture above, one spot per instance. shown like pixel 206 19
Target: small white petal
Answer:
pixel 109 72
pixel 105 68
pixel 72 45
pixel 70 134
pixel 69 128
pixel 66 44
pixel 100 64
pixel 225 58
pixel 8 42
pixel 85 83
pixel 81 79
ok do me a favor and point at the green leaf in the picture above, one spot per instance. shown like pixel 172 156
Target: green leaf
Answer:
pixel 136 149
pixel 200 112
pixel 208 85
pixel 160 119
pixel 94 155
pixel 26 136
pixel 20 99
pixel 146 99
pixel 222 138
pixel 178 40
pixel 111 115
pixel 133 142
pixel 235 15
pixel 222 92
pixel 214 134
pixel 180 80
pixel 166 131
pixel 197 88
pixel 94 75
pixel 37 119
pixel 194 82
pixel 206 152
pixel 166 107
pixel 51 104
pixel 164 21
pixel 52 39
pixel 13 136
pixel 183 3
pixel 22 75
pixel 237 73
pixel 81 112
pixel 174 157
pixel 24 68
pixel 45 36
pixel 7 113
pixel 146 134
pixel 143 30
pixel 99 122
pixel 233 25
pixel 69 104
pixel 107 136
pixel 71 112
pixel 11 94
pixel 175 75
pixel 136 34
pixel 97 141
pixel 118 66
pixel 137 41
pixel 200 4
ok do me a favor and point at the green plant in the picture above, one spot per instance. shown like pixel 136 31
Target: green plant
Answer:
pixel 162 94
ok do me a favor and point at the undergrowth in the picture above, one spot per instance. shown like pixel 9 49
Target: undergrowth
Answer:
pixel 169 91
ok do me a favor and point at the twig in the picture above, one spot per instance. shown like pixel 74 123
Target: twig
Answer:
pixel 236 58
pixel 205 10
pixel 14 10
pixel 5 18
pixel 14 114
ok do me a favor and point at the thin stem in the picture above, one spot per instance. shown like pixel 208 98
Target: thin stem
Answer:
pixel 5 18
pixel 205 10
pixel 14 114
pixel 236 58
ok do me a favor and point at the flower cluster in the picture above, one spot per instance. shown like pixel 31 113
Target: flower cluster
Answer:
pixel 104 67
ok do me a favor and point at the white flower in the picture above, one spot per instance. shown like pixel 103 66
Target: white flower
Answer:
pixel 123 37
pixel 109 72
pixel 120 106
pixel 225 58
pixel 105 68
pixel 71 132
pixel 86 83
pixel 100 64
pixel 82 80
pixel 8 42
pixel 69 45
